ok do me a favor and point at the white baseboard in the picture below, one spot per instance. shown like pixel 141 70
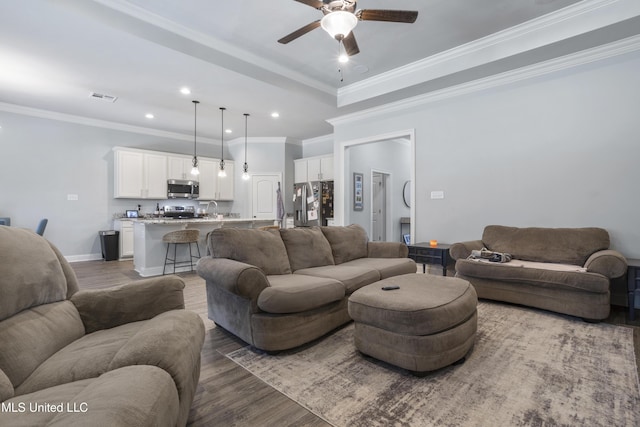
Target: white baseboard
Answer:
pixel 85 257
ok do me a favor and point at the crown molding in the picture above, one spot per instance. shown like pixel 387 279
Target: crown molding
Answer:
pixel 621 47
pixel 573 20
pixel 86 121
pixel 259 140
pixel 318 139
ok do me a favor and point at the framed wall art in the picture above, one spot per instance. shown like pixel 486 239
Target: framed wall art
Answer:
pixel 358 192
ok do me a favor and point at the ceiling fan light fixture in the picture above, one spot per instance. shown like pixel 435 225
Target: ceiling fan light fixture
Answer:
pixel 339 23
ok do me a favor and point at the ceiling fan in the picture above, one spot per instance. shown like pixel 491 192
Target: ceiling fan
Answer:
pixel 341 16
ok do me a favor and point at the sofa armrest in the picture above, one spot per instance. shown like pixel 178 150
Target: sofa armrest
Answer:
pixel 387 250
pixel 609 263
pixel 236 277
pixel 462 250
pixel 132 302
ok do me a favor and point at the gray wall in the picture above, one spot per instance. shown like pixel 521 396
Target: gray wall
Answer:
pixel 264 156
pixel 558 150
pixel 389 156
pixel 319 146
pixel 42 161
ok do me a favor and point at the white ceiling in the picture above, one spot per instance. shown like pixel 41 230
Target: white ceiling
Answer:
pixel 54 53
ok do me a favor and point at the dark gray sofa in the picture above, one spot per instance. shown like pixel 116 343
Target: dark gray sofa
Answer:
pixel 566 270
pixel 279 289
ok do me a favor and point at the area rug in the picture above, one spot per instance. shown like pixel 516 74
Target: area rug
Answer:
pixel 528 368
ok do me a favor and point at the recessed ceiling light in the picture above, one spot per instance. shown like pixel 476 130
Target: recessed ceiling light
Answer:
pixel 228 131
pixel 149 116
pixel 343 59
pixel 275 114
pixel 185 91
pixel 361 69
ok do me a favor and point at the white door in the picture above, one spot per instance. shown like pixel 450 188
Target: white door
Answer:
pixel 378 207
pixel 264 197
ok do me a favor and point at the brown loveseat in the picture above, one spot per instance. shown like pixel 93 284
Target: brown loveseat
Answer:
pixel 278 289
pixel 566 270
pixel 123 356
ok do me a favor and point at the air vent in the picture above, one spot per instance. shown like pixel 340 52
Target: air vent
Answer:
pixel 103 97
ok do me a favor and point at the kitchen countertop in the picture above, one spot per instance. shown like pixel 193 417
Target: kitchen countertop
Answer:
pixel 195 220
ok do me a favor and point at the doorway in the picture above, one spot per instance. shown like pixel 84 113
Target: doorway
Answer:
pixel 379 205
pixel 264 198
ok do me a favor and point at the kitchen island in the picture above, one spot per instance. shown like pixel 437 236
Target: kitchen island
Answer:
pixel 149 250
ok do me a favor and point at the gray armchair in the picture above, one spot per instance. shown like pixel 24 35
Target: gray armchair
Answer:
pixel 128 355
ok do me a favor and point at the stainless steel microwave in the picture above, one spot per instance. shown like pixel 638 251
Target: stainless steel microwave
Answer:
pixel 182 189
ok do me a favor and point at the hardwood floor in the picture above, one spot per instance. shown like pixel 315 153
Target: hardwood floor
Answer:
pixel 227 394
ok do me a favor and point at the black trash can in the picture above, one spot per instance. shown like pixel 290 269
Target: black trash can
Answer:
pixel 109 243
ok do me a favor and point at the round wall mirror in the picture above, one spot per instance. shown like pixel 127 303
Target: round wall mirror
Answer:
pixel 406 194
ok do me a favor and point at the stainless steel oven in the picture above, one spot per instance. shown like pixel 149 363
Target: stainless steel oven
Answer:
pixel 182 189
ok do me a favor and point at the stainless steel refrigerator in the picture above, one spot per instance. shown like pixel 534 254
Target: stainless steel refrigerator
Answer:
pixel 312 203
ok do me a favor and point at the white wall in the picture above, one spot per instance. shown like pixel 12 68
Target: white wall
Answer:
pixel 558 150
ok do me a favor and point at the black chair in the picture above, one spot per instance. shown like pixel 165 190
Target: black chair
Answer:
pixel 41 226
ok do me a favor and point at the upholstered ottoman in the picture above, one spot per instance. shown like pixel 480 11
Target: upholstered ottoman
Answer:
pixel 428 323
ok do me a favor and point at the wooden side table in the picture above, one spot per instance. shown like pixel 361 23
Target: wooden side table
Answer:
pixel 424 253
pixel 633 284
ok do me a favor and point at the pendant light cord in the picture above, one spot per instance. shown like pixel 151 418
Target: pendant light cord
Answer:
pixel 195 126
pixel 222 135
pixel 246 115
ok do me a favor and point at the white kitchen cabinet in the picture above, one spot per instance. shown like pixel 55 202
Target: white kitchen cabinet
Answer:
pixel 125 227
pixel 155 176
pixel 300 170
pixel 313 169
pixel 139 174
pixel 213 187
pixel 208 179
pixel 179 167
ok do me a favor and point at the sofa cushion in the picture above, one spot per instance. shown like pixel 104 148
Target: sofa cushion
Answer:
pixel 30 337
pixel 26 283
pixel 170 341
pixel 559 245
pixel 294 293
pixel 386 267
pixel 350 276
pixel 541 274
pixel 6 388
pixel 306 247
pixel 347 243
pixel 130 396
pixel 262 248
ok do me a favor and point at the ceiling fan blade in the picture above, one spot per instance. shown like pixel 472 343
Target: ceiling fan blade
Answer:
pixel 316 4
pixel 407 16
pixel 350 44
pixel 300 32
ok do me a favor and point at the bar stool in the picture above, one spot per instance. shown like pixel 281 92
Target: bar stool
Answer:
pixel 176 238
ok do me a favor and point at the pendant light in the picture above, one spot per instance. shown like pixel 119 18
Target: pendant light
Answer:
pixel 222 173
pixel 194 169
pixel 245 167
